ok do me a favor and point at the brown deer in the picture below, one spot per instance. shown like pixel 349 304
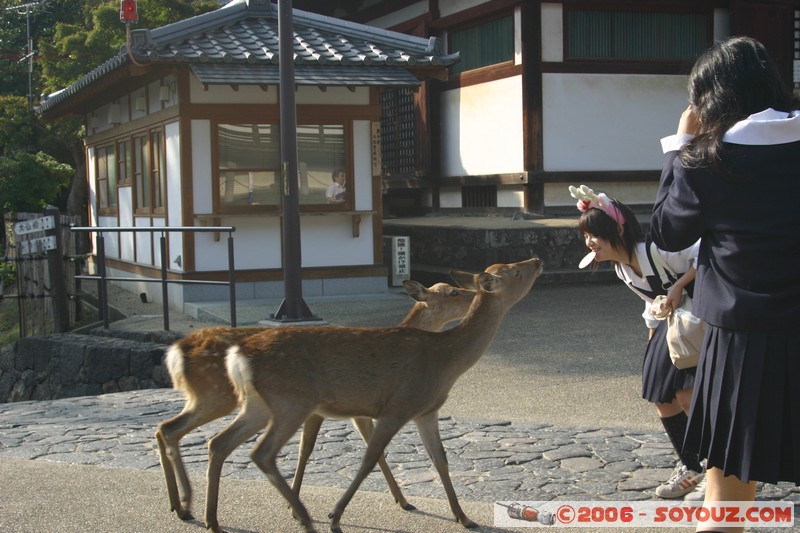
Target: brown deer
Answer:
pixel 392 375
pixel 196 364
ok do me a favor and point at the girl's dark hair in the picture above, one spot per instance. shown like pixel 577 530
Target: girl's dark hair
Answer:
pixel 729 82
pixel 596 222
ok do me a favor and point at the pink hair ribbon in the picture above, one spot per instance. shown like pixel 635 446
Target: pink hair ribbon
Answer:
pixel 587 199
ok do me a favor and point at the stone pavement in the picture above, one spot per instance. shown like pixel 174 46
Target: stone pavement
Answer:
pixel 490 460
pixel 533 421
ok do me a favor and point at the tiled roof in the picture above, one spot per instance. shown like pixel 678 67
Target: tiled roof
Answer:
pixel 245 33
pixel 346 76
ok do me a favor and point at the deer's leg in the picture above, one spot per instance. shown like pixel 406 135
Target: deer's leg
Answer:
pixel 289 416
pixel 428 427
pixel 307 440
pixel 252 418
pixel 168 436
pixel 364 426
pixel 384 430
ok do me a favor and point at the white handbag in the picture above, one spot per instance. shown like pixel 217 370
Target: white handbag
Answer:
pixel 685 331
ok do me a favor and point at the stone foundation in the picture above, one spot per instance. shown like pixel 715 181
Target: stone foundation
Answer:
pixel 66 365
pixel 437 248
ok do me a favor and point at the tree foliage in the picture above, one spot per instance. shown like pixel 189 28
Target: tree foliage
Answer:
pixel 81 44
pixel 30 178
pixel 44 177
pixel 72 37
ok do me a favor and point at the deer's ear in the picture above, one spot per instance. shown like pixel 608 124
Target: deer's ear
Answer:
pixel 488 282
pixel 464 279
pixel 415 289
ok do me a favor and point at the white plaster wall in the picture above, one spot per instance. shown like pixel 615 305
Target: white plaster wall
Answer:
pixel 722 24
pixel 155 238
pixel 482 129
pixel 111 239
pixel 450 7
pixel 510 196
pixel 143 240
pixel 91 187
pixel 557 194
pixel 256 243
pixel 138 96
pixel 401 15
pixel 608 122
pixel 252 94
pixel 552 32
pixel 517 36
pixel 331 96
pixel 362 151
pixel 125 212
pixel 328 241
pixel 449 197
pixel 174 198
pixel 153 100
pixel 224 94
pixel 201 167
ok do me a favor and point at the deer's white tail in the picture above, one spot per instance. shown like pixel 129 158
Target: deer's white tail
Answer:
pixel 239 371
pixel 174 362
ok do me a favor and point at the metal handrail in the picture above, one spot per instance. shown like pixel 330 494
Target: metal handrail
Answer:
pixel 102 279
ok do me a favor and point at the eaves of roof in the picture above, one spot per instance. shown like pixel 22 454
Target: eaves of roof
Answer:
pixel 346 76
pixel 245 33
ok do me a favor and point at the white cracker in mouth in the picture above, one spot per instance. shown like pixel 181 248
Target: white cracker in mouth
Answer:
pixel 586 261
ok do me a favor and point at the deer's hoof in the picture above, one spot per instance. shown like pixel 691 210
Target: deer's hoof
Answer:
pixel 184 513
pixel 406 506
pixel 467 523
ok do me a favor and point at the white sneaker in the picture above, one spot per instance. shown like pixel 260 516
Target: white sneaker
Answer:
pixel 698 494
pixel 682 482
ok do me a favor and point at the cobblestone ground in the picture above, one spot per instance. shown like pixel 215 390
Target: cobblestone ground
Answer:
pixel 489 460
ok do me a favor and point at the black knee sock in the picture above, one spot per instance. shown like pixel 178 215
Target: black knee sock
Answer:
pixel 676 429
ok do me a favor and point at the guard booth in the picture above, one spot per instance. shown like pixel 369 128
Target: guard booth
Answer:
pixel 397 256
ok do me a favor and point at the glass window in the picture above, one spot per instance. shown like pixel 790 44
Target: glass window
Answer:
pixel 249 163
pixel 635 36
pixel 320 154
pixel 140 170
pixel 125 162
pixel 484 45
pixel 158 170
pixel 106 178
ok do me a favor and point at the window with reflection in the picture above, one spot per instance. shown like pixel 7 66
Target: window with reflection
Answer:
pixel 249 166
pixel 106 178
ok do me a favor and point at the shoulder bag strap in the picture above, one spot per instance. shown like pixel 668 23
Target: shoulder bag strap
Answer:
pixel 665 274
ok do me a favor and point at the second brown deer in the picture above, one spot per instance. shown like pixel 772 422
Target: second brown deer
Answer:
pixel 196 364
pixel 392 375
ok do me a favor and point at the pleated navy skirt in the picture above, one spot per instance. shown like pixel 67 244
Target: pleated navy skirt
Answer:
pixel 660 378
pixel 745 416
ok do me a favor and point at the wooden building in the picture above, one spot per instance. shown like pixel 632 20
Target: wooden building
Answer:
pixel 554 93
pixel 182 129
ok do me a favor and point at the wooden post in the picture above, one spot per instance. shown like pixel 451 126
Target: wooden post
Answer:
pixel 58 285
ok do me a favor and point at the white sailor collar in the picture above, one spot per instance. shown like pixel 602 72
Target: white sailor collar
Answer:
pixel 627 274
pixel 765 128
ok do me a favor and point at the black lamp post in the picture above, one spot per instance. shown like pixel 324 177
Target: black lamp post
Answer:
pixel 293 308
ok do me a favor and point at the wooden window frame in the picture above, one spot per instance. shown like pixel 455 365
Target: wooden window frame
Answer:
pixel 124 164
pixel 158 170
pixel 629 65
pixel 142 202
pixel 103 174
pixel 481 22
pixel 223 208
